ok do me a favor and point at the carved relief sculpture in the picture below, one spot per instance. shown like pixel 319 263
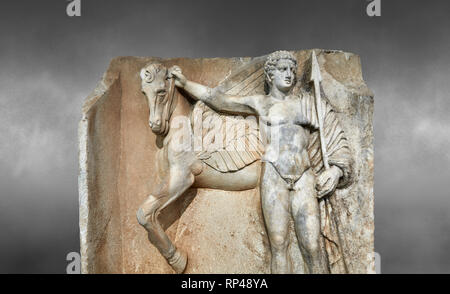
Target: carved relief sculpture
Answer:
pixel 267 126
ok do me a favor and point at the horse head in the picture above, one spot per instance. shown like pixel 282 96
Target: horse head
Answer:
pixel 158 86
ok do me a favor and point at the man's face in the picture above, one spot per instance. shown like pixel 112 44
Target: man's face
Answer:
pixel 283 75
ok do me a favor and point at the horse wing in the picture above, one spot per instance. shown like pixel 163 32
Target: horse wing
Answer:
pixel 229 143
pixel 246 80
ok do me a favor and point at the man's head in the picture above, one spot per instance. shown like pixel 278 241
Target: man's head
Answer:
pixel 280 70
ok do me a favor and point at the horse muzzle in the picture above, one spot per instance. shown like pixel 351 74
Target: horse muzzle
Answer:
pixel 156 126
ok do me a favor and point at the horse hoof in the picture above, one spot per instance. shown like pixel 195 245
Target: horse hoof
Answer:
pixel 178 261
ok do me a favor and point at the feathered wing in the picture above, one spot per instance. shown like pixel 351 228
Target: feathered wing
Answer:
pixel 230 143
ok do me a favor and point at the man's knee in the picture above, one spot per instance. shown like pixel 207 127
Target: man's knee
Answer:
pixel 312 246
pixel 309 236
pixel 278 242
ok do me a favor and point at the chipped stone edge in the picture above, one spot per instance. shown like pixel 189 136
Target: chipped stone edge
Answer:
pixel 83 191
pixel 83 173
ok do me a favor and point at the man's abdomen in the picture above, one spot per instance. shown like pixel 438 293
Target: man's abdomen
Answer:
pixel 289 153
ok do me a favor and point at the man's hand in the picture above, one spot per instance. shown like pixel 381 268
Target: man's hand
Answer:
pixel 180 79
pixel 328 180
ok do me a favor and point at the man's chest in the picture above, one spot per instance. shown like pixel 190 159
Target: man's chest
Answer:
pixel 285 111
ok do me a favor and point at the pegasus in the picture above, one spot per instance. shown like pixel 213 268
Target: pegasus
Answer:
pixel 226 158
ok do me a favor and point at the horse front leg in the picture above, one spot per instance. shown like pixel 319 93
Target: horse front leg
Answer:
pixel 179 180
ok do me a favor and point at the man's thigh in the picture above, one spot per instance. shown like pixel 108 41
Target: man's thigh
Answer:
pixel 275 200
pixel 305 205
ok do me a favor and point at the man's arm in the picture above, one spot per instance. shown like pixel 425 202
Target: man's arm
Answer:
pixel 214 97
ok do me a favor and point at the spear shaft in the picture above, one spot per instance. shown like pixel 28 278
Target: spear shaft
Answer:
pixel 316 77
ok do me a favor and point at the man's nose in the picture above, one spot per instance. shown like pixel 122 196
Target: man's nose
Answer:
pixel 288 72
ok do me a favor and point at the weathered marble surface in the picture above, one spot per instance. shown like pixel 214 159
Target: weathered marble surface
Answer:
pixel 222 232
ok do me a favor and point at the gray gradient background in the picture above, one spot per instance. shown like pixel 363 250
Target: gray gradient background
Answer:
pixel 49 63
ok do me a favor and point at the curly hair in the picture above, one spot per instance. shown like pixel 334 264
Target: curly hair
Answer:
pixel 272 61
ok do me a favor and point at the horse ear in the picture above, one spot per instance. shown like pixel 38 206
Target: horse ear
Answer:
pixel 143 74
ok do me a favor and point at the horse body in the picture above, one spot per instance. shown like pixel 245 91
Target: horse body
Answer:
pixel 182 168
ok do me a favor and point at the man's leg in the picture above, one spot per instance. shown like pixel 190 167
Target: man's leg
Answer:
pixel 275 207
pixel 306 215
